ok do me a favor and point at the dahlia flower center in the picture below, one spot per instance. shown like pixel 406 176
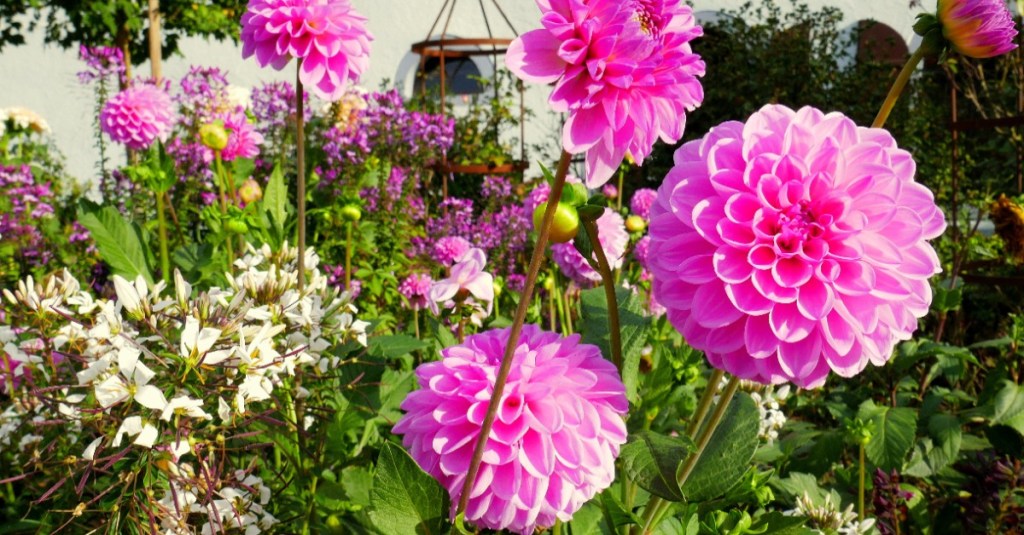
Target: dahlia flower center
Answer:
pixel 796 225
pixel 650 22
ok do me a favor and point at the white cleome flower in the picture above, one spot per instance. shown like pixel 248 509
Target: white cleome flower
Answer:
pixel 185 406
pixel 145 433
pixel 131 381
pixel 196 343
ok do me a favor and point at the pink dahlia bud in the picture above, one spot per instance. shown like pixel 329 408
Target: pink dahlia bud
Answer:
pixel 793 245
pixel 554 442
pixel 329 36
pixel 138 116
pixel 978 28
pixel 611 231
pixel 623 71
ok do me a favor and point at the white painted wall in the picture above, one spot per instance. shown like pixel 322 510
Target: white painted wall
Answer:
pixel 43 77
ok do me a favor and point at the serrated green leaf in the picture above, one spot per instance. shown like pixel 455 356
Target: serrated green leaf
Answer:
pixel 633 330
pixel 1008 407
pixel 893 431
pixel 404 498
pixel 652 462
pixel 119 241
pixel 727 456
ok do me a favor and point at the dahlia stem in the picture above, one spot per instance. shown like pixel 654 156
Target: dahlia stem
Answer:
pixel 897 87
pixel 860 488
pixel 539 253
pixel 348 256
pixel 705 403
pixel 609 293
pixel 657 508
pixel 300 164
pixel 221 183
pixel 165 257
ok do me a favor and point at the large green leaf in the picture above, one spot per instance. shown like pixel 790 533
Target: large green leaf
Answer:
pixel 119 241
pixel 275 204
pixel 404 498
pixel 893 431
pixel 727 456
pixel 940 449
pixel 634 328
pixel 652 462
pixel 393 346
pixel 1008 407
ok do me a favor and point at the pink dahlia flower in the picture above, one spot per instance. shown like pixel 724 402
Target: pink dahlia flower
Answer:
pixel 243 139
pixel 554 443
pixel 978 28
pixel 138 116
pixel 623 70
pixel 611 231
pixel 329 36
pixel 416 290
pixel 641 202
pixel 449 249
pixel 793 245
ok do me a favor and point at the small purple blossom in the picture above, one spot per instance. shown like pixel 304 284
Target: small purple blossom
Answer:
pixel 101 62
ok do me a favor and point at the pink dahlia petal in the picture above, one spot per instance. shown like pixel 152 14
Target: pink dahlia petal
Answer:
pixel 623 71
pixel 328 36
pixel 809 246
pixel 553 447
pixel 138 116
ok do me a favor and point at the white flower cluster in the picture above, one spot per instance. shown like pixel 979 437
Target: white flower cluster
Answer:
pixel 23 120
pixel 828 518
pixel 769 400
pixel 173 374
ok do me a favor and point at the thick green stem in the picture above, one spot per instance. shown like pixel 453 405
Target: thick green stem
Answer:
pixel 657 508
pixel 705 403
pixel 300 165
pixel 348 255
pixel 860 488
pixel 165 257
pixel 897 88
pixel 222 180
pixel 539 253
pixel 609 293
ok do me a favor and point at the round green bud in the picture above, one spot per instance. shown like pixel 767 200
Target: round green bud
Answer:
pixel 351 213
pixel 563 227
pixel 214 135
pixel 635 223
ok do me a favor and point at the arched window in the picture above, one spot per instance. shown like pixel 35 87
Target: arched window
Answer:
pixel 462 73
pixel 878 42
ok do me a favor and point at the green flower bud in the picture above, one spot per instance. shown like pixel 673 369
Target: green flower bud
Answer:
pixel 563 227
pixel 214 135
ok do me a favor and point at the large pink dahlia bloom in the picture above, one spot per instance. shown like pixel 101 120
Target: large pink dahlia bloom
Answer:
pixel 554 443
pixel 138 116
pixel 978 28
pixel 329 36
pixel 611 232
pixel 623 70
pixel 793 245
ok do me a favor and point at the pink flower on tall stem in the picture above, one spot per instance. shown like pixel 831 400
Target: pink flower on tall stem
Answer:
pixel 794 245
pixel 623 70
pixel 553 446
pixel 329 36
pixel 138 116
pixel 978 28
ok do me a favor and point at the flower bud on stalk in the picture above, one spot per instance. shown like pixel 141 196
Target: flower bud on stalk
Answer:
pixel 214 135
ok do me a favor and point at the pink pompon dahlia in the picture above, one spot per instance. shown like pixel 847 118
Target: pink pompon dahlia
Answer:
pixel 138 116
pixel 793 245
pixel 642 201
pixel 243 139
pixel 554 443
pixel 978 28
pixel 623 70
pixel 328 36
pixel 611 231
pixel 449 249
pixel 416 290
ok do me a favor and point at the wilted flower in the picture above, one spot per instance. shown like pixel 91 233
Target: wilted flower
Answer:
pixel 978 28
pixel 623 71
pixel 793 245
pixel 554 442
pixel 138 116
pixel 611 231
pixel 328 36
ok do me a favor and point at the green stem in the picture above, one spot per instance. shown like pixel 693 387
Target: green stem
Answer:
pixel 539 253
pixel 897 87
pixel 657 508
pixel 300 164
pixel 221 183
pixel 609 293
pixel 705 403
pixel 165 257
pixel 312 500
pixel 860 489
pixel 348 255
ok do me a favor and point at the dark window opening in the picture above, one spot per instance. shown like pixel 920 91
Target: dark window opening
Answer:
pixel 462 74
pixel 878 42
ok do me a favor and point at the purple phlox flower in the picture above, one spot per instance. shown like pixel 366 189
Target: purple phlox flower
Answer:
pixel 101 63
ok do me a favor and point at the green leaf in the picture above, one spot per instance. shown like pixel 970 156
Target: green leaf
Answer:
pixel 799 484
pixel 652 462
pixel 945 431
pixel 1008 407
pixel 634 329
pixel 404 498
pixel 727 456
pixel 393 346
pixel 615 512
pixel 275 201
pixel 119 241
pixel 194 260
pixel 893 433
pixel 587 521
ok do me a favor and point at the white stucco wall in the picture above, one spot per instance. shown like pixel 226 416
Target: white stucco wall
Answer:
pixel 43 77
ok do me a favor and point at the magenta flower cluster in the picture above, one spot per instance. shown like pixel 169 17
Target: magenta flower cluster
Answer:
pixel 622 70
pixel 139 116
pixel 554 443
pixel 27 203
pixel 793 245
pixel 101 63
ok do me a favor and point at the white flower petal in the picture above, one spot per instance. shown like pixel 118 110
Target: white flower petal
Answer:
pixel 151 397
